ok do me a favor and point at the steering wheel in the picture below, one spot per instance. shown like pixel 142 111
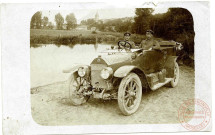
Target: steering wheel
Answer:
pixel 123 45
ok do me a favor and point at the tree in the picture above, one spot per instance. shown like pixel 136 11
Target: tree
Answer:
pixel 45 21
pixel 176 24
pixel 50 25
pixel 83 22
pixel 71 21
pixel 100 25
pixel 142 20
pixel 123 24
pixel 59 21
pixel 119 25
pixel 88 22
pixel 36 20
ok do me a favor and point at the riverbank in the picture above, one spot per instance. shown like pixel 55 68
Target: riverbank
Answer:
pixel 72 37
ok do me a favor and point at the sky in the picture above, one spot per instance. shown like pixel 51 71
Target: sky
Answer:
pixel 84 14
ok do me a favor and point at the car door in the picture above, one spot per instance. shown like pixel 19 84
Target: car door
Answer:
pixel 151 60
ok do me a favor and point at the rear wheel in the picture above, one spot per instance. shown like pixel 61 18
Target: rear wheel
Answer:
pixel 175 80
pixel 76 89
pixel 130 94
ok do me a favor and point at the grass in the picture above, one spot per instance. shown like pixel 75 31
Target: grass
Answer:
pixel 67 37
pixel 57 33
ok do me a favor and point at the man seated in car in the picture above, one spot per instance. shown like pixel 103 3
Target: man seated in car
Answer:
pixel 149 43
pixel 128 43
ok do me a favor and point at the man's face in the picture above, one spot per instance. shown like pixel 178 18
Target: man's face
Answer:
pixel 126 37
pixel 148 35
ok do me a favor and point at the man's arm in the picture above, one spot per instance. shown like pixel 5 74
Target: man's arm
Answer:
pixel 142 44
pixel 156 45
pixel 133 46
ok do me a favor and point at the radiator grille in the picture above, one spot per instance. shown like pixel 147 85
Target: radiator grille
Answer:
pixel 96 79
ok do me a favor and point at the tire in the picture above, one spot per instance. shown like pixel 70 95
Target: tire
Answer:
pixel 175 80
pixel 129 99
pixel 76 96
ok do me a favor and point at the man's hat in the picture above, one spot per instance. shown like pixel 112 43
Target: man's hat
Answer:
pixel 150 31
pixel 127 34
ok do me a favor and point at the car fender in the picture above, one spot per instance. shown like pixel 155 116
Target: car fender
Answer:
pixel 74 68
pixel 170 65
pixel 124 71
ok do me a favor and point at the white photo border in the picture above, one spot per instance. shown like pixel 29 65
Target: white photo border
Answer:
pixel 16 68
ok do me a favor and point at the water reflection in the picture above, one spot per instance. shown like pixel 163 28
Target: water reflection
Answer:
pixel 95 47
pixel 48 60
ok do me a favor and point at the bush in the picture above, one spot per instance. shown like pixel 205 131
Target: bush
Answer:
pixel 94 32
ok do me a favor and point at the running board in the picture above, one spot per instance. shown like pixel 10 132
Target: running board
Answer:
pixel 156 86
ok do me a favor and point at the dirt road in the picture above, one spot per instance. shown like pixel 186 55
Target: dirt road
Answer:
pixel 50 106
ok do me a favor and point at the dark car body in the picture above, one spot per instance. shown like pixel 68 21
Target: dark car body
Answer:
pixel 154 68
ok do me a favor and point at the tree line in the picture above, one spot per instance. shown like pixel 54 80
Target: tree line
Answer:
pixel 176 24
pixel 113 25
pixel 37 22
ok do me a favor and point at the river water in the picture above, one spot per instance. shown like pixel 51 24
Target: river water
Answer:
pixel 49 60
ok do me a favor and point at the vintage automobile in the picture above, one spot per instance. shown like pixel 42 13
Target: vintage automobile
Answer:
pixel 121 73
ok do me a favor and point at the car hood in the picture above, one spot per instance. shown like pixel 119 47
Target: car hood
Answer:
pixel 112 59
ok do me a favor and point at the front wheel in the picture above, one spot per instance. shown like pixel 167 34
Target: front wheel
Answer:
pixel 130 94
pixel 175 80
pixel 76 89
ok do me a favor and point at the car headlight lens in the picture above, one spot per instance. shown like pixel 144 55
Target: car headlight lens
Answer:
pixel 106 73
pixel 81 71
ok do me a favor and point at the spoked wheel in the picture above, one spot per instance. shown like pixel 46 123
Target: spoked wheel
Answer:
pixel 76 89
pixel 175 80
pixel 130 94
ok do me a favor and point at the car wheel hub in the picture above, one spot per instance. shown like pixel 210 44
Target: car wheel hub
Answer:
pixel 131 93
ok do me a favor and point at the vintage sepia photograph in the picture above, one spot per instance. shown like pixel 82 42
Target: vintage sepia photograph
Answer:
pixel 111 66
pixel 106 67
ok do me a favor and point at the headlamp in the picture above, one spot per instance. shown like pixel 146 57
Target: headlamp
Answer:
pixel 82 71
pixel 106 73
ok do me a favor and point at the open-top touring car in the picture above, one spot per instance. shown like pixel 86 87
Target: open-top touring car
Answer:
pixel 121 74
